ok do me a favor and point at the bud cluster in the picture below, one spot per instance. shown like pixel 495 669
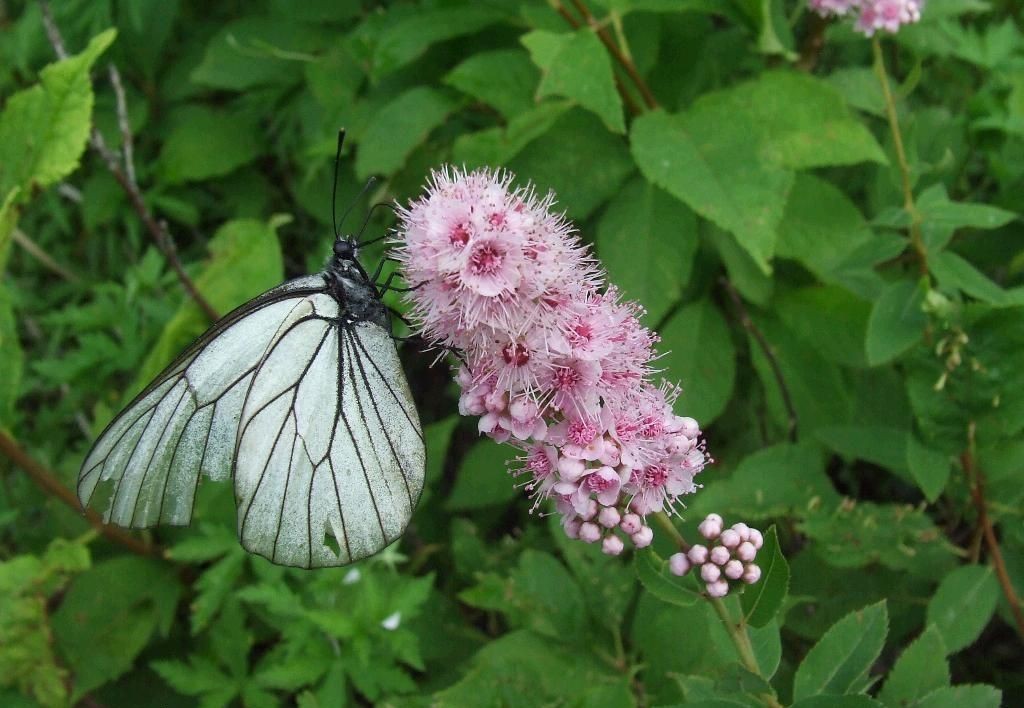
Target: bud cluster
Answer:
pixel 729 555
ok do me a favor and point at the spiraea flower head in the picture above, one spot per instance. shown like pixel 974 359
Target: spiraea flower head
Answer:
pixel 871 16
pixel 555 361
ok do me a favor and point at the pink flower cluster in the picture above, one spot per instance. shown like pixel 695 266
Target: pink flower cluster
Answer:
pixel 872 15
pixel 554 362
pixel 731 558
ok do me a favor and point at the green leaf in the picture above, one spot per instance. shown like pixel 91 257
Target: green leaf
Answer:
pixel 577 66
pixel 897 536
pixel 929 468
pixel 829 318
pixel 897 322
pixel 955 273
pixel 840 661
pixel 399 127
pixel 975 696
pixel 188 154
pixel 44 129
pixel 407 36
pixel 744 273
pixel 258 51
pixel 109 615
pixel 921 668
pixel 941 217
pixel 483 478
pixel 836 701
pixel 826 232
pixel 705 157
pixel 513 95
pixel 496 146
pixel 963 605
pixel 654 575
pixel 761 601
pixel 647 240
pixel 245 260
pixel 779 480
pixel 563 160
pixel 880 444
pixel 699 353
pixel 198 676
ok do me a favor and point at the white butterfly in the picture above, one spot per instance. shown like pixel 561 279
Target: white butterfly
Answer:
pixel 299 396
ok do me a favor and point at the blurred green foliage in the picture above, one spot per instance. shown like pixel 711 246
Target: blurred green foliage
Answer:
pixel 856 399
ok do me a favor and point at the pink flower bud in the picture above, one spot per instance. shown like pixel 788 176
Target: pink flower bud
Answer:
pixel 746 551
pixel 756 538
pixel 572 527
pixel 710 528
pixel 733 569
pixel 719 555
pixel 743 530
pixel 679 564
pixel 698 554
pixel 751 574
pixel 591 511
pixel 730 539
pixel 609 517
pixel 709 572
pixel 690 428
pixel 570 470
pixel 631 523
pixel 589 532
pixel 612 545
pixel 713 518
pixel 643 537
pixel 719 588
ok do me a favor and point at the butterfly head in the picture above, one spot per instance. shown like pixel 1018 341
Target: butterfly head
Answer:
pixel 345 248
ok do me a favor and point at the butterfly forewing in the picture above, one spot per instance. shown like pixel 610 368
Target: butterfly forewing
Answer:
pixel 311 413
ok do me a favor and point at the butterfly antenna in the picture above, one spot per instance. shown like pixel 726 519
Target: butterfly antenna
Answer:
pixel 334 187
pixel 369 215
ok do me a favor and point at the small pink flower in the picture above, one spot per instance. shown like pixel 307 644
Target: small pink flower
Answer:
pixel 709 572
pixel 609 517
pixel 733 569
pixel 612 545
pixel 643 537
pixel 679 564
pixel 719 588
pixel 751 574
pixel 589 532
pixel 719 555
pixel 746 551
pixel 697 554
pixel 631 524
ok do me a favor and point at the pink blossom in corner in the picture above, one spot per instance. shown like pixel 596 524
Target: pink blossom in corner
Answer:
pixel 871 16
pixel 556 363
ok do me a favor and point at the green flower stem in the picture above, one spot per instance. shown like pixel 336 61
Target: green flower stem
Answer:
pixel 737 630
pixel 741 640
pixel 901 156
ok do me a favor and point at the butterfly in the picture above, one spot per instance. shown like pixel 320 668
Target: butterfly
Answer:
pixel 299 397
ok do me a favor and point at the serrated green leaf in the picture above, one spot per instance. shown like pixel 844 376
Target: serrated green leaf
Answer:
pixel 654 575
pixel 563 160
pixel 975 696
pixel 400 127
pixel 836 701
pixel 189 155
pixel 941 217
pixel 930 468
pixel 897 322
pixel 577 66
pixel 762 601
pixel 840 661
pixel 496 146
pixel 963 604
pixel 703 157
pixel 699 353
pixel 647 241
pixel 513 95
pixel 44 129
pixel 955 273
pixel 921 668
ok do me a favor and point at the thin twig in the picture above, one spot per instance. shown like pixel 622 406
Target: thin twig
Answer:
pixel 769 353
pixel 127 143
pixel 157 229
pixel 916 239
pixel 976 480
pixel 624 61
pixel 36 251
pixel 51 484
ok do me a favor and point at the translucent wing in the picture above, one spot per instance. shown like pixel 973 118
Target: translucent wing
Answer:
pixel 146 465
pixel 330 457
